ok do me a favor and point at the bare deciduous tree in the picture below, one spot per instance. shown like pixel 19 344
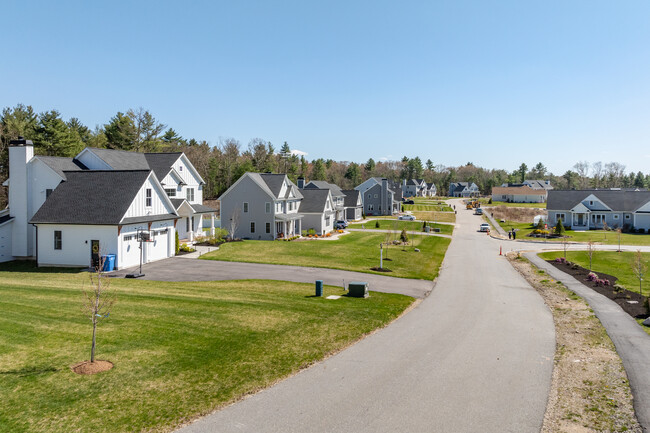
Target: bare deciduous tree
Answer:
pixel 590 252
pixel 235 217
pixel 98 301
pixel 639 268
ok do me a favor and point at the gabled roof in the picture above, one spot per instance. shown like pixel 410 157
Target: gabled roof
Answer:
pixel 274 184
pixel 538 184
pixel 121 159
pixel 161 163
pixel 321 184
pixel 99 197
pixel 314 200
pixel 413 182
pixel 352 197
pixel 431 185
pixel 617 200
pixel 60 164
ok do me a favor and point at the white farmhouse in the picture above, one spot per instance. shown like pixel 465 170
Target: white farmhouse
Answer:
pixel 66 211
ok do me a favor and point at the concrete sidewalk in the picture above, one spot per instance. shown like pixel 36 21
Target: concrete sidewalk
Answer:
pixel 632 343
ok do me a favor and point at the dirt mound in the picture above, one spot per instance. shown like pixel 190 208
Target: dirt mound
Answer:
pixel 87 367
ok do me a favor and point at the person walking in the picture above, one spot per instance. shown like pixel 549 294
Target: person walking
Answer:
pixel 509 234
pixel 514 234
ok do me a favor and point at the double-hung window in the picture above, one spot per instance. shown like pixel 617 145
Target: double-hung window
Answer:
pixel 245 207
pixel 148 197
pixel 190 194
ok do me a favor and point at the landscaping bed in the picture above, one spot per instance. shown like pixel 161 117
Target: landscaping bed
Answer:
pixel 638 307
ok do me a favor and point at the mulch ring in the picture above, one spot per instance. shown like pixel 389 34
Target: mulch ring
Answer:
pixel 621 297
pixel 87 367
pixel 378 269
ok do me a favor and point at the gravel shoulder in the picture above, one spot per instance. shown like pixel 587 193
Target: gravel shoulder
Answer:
pixel 590 391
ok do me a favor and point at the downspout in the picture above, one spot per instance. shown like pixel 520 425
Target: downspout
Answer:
pixel 36 227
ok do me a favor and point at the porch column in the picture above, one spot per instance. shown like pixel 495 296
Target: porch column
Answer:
pixel 212 224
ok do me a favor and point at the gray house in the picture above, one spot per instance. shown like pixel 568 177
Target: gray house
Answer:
pixel 262 206
pixel 353 205
pixel 378 198
pixel 318 210
pixel 463 189
pixel 338 197
pixel 589 209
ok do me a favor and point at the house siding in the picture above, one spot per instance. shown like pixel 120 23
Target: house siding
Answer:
pixel 75 244
pixel 247 190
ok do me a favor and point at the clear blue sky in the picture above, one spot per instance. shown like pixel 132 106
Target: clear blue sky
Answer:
pixel 497 83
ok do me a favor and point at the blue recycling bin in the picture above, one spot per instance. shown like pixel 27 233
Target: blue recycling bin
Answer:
pixel 109 263
pixel 319 287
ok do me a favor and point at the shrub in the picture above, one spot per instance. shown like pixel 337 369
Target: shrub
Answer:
pixel 559 227
pixel 404 236
pixel 178 243
pixel 640 230
pixel 186 248
pixel 592 277
pixel 560 260
pixel 304 233
pixel 540 232
pixel 490 200
pixel 311 232
pixel 377 224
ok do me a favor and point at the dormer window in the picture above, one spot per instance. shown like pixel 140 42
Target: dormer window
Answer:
pixel 591 202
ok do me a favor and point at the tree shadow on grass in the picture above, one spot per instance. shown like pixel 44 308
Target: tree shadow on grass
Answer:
pixel 30 371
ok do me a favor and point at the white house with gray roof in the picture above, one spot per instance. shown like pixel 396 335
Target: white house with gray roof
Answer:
pixel 262 206
pixel 66 211
pixel 589 209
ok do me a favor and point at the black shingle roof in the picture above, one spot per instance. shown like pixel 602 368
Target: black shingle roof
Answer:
pixel 313 200
pixel 122 160
pixel 351 197
pixel 92 197
pixel 61 164
pixel 161 163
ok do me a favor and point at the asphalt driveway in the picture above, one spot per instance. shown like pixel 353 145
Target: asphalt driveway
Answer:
pixel 184 269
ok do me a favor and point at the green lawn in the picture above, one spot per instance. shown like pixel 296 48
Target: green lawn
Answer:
pixel 597 236
pixel 399 225
pixel 608 262
pixel 180 349
pixel 422 207
pixel 356 251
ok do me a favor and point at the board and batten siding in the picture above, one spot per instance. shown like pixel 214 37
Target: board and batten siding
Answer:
pixel 75 244
pixel 182 167
pixel 159 203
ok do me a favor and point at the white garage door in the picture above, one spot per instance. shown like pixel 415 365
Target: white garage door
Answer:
pixel 160 246
pixel 130 251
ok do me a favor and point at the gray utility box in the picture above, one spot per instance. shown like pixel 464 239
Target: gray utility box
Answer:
pixel 358 290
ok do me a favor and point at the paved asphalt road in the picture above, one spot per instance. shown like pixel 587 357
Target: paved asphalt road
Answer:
pixel 475 356
pixel 632 343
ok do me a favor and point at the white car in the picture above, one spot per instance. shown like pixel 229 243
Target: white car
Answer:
pixel 485 227
pixel 406 217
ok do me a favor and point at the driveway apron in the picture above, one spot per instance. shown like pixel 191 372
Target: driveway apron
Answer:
pixel 474 356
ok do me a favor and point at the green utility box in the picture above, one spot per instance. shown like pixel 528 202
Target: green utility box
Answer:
pixel 358 290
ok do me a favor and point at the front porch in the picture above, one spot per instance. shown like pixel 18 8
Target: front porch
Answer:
pixel 287 225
